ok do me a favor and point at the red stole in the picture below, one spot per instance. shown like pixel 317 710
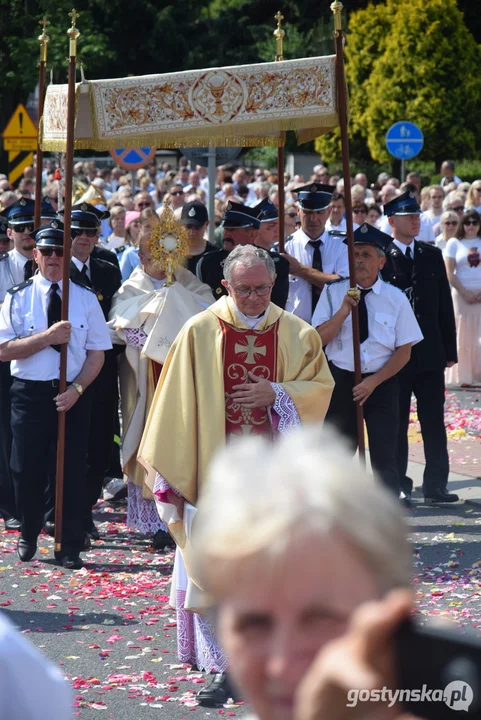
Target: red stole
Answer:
pixel 247 351
pixel 156 370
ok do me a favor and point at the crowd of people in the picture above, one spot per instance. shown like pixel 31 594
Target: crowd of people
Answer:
pixel 249 337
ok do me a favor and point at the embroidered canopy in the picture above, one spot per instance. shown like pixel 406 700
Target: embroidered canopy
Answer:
pixel 243 106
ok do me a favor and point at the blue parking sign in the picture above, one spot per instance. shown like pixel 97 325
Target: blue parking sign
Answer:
pixel 404 140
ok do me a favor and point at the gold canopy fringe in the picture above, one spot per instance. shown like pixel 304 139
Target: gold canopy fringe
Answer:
pixel 246 135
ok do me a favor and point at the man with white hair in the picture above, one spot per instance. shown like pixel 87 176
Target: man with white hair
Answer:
pixel 241 367
pixel 301 552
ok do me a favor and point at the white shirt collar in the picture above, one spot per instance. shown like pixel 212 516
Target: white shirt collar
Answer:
pixel 252 323
pixel 376 288
pixel 45 284
pixel 403 247
pixel 79 264
pixel 306 239
pixel 18 256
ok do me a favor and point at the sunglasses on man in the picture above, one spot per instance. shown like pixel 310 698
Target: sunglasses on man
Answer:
pixel 27 227
pixel 178 192
pixel 48 252
pixel 76 232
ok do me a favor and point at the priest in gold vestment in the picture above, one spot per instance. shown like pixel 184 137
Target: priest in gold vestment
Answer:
pixel 241 367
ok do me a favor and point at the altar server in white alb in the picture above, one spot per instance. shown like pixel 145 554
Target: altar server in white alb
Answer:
pixel 388 329
pixel 316 255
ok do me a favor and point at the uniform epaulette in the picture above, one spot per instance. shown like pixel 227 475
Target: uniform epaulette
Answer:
pixel 119 250
pixel 428 245
pixel 289 238
pixel 3 256
pixel 82 284
pixel 333 282
pixel 16 288
pixel 339 233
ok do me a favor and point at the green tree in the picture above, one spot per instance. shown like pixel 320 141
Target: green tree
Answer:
pixel 413 60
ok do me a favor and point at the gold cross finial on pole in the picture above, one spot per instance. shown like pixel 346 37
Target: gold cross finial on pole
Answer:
pixel 73 32
pixel 43 40
pixel 279 34
pixel 74 15
pixel 44 22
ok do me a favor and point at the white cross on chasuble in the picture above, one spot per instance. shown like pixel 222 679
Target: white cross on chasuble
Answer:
pixel 247 351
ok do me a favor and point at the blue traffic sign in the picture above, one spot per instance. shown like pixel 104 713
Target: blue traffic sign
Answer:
pixel 133 158
pixel 404 140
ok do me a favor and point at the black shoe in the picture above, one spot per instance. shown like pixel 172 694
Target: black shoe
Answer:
pixel 72 562
pixel 25 550
pixel 440 496
pixel 87 543
pixel 93 532
pixel 407 485
pixel 161 540
pixel 217 692
pixel 12 524
pixel 49 528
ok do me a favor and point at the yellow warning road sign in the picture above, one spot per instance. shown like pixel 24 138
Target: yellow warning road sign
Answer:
pixel 20 132
pixel 18 144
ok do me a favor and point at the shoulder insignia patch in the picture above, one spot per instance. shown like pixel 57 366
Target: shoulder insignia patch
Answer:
pixel 21 286
pixel 3 256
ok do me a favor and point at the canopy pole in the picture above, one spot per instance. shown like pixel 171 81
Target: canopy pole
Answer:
pixel 211 165
pixel 279 34
pixel 337 8
pixel 73 34
pixel 42 66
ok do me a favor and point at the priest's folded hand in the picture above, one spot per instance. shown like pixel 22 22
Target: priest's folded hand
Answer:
pixel 258 393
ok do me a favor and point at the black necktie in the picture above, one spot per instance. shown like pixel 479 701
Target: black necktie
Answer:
pixel 363 321
pixel 85 277
pixel 317 265
pixel 409 254
pixel 54 309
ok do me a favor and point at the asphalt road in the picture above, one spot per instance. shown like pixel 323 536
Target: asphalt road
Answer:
pixel 111 630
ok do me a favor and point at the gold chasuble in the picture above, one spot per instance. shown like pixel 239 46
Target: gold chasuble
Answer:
pixel 192 413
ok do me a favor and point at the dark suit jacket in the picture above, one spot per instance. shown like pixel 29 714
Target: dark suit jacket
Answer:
pixel 210 270
pixel 105 280
pixel 427 287
pixel 101 253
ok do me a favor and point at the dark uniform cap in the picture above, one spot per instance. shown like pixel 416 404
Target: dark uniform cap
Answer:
pixel 3 226
pixel 266 210
pixel 369 235
pixel 20 212
pixel 47 210
pixel 405 204
pixel 314 196
pixel 194 213
pixel 50 234
pixel 87 217
pixel 237 215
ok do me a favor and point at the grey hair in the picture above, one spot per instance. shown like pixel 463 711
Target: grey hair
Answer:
pixel 451 197
pixel 248 256
pixel 259 495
